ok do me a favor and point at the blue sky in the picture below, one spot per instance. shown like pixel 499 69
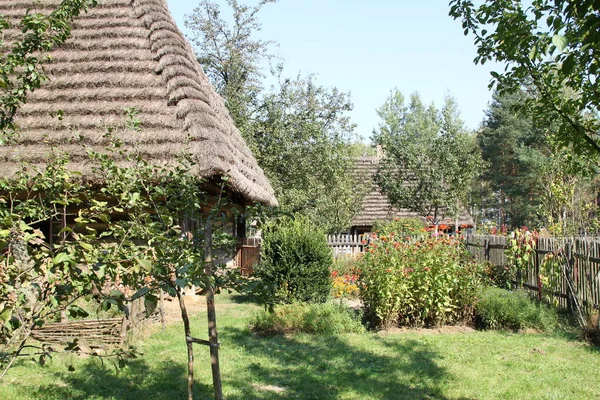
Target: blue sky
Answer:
pixel 369 47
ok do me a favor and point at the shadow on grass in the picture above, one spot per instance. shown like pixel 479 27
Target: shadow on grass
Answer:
pixel 329 367
pixel 276 367
pixel 137 381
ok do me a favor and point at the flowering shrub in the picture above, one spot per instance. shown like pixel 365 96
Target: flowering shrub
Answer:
pixel 521 251
pixel 430 282
pixel 400 227
pixel 344 285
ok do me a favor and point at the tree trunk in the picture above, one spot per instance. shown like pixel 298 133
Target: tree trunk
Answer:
pixel 212 317
pixel 188 342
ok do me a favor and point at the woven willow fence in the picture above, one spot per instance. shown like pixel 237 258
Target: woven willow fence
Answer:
pixel 99 332
pixel 581 257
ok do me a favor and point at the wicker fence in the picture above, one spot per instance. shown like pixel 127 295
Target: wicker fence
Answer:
pixel 99 332
pixel 581 257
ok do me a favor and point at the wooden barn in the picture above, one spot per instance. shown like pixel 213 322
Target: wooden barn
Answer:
pixel 376 207
pixel 129 55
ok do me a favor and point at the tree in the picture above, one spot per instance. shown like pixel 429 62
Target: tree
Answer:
pixel 430 159
pixel 302 135
pixel 298 131
pixel 533 180
pixel 515 150
pixel 552 45
pixel 21 70
pixel 230 56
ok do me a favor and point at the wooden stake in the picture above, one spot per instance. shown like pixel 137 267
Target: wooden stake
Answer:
pixel 212 317
pixel 189 343
pixel 162 309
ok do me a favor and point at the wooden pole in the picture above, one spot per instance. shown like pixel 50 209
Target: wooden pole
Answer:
pixel 212 317
pixel 189 343
pixel 162 309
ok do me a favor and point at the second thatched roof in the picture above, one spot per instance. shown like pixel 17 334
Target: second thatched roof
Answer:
pixel 376 206
pixel 130 54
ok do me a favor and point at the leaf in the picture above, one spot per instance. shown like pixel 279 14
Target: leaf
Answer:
pixel 145 264
pixel 71 368
pixel 533 53
pixel 182 283
pixel 560 42
pixel 61 258
pixel 106 304
pixel 5 315
pixel 568 64
pixel 142 292
pixel 76 311
pixel 86 246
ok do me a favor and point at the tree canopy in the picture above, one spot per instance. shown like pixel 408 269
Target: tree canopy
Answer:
pixel 552 45
pixel 430 158
pixel 298 130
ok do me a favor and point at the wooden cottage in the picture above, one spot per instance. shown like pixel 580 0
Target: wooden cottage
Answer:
pixel 129 54
pixel 376 207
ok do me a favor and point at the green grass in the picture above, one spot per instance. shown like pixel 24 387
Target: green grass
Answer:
pixel 470 365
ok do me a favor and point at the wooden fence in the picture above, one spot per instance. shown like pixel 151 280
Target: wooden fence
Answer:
pixel 248 254
pixel 345 245
pixel 100 332
pixel 581 256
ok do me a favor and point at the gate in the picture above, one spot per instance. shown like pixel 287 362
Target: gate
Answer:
pixel 248 255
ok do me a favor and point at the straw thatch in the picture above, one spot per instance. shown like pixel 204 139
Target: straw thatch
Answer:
pixel 376 207
pixel 130 54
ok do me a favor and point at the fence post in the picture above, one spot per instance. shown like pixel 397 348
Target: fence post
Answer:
pixel 486 249
pixel 568 254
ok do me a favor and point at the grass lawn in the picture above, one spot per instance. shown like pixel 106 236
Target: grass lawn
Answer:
pixel 467 365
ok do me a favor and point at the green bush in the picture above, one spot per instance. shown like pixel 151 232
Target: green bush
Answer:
pixel 295 263
pixel 431 282
pixel 324 318
pixel 499 275
pixel 400 227
pixel 504 309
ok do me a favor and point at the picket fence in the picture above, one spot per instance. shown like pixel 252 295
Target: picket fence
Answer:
pixel 347 245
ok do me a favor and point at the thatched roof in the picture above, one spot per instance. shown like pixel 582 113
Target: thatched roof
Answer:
pixel 376 207
pixel 130 54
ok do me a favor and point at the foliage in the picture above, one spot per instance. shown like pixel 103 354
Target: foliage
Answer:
pixel 98 252
pixel 400 226
pixel 514 150
pixel 325 318
pixel 531 180
pixel 568 201
pixel 553 270
pixel 299 131
pixel 295 263
pixel 301 137
pixel 499 308
pixel 230 56
pixel 550 44
pixel 21 70
pixel 429 283
pixel 499 275
pixel 344 285
pixel 520 252
pixel 430 160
